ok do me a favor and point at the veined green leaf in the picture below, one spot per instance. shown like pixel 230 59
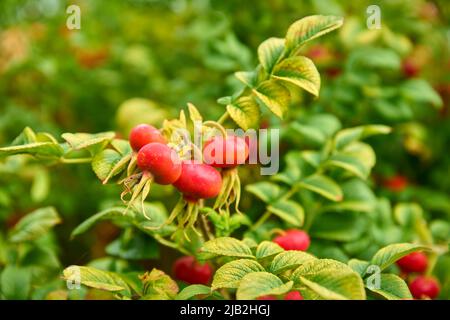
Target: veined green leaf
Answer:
pixel 38 149
pixel 95 278
pixel 288 260
pixel 249 78
pixel 329 279
pixel 109 163
pixel 392 287
pixel 299 71
pixel 266 191
pixel 34 225
pixel 257 284
pixel 157 285
pixel 289 211
pixel 227 246
pixel 309 28
pixel 269 52
pixel 346 136
pixel 245 112
pixel 322 185
pixel 391 253
pixel 192 291
pixel 231 273
pixel 274 96
pixel 267 249
pixel 349 163
pixel 91 142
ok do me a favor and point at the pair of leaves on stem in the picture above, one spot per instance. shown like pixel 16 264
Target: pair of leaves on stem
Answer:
pixel 280 67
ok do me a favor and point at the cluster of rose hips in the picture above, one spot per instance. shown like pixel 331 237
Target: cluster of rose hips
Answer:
pixel 421 286
pixel 194 180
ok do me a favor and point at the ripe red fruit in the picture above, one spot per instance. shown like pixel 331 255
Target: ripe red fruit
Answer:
pixel 198 181
pixel 144 134
pixel 226 152
pixel 293 295
pixel 161 161
pixel 424 287
pixel 293 240
pixel 396 183
pixel 413 262
pixel 267 298
pixel 410 68
pixel 188 270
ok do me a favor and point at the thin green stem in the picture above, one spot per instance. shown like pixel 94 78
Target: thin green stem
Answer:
pixel 75 160
pixel 223 118
pixel 261 220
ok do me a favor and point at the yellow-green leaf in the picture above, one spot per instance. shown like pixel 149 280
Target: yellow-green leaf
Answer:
pixel 274 96
pixel 289 211
pixel 322 185
pixel 227 246
pixel 267 249
pixel 391 253
pixel 392 287
pixel 289 260
pixel 299 71
pixel 231 273
pixel 257 284
pixel 245 112
pixel 309 28
pixel 269 53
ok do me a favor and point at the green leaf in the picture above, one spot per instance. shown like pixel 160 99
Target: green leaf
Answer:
pixel 392 287
pixel 266 191
pixel 369 57
pixel 328 279
pixel 95 278
pixel 15 283
pixel 91 142
pixel 309 28
pixel 258 284
pixel 37 149
pixel 245 112
pixel 274 96
pixel 420 91
pixel 139 246
pixel 309 133
pixel 299 71
pixel 391 253
pixel 249 78
pixel 359 266
pixel 408 214
pixel 267 249
pixel 288 260
pixel 349 163
pixel 231 273
pixel 109 163
pixel 115 212
pixel 322 185
pixel 158 286
pixel 346 136
pixel 34 225
pixel 192 291
pixel 227 246
pixel 340 226
pixel 269 52
pixel 289 211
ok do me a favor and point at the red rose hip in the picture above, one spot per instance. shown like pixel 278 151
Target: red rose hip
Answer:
pixel 424 287
pixel 226 152
pixel 198 181
pixel 413 262
pixel 144 134
pixel 161 161
pixel 293 240
pixel 188 270
pixel 293 295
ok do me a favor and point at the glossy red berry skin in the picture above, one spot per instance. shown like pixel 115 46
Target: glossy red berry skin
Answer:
pixel 293 295
pixel 293 240
pixel 198 181
pixel 424 287
pixel 144 134
pixel 413 262
pixel 267 298
pixel 161 161
pixel 226 152
pixel 410 68
pixel 190 271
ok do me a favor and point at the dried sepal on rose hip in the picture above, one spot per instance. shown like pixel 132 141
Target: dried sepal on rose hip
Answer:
pixel 293 240
pixel 189 270
pixel 144 134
